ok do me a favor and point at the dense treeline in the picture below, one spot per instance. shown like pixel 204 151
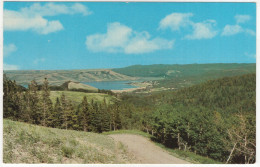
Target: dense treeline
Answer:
pixel 34 106
pixel 216 119
pixel 64 87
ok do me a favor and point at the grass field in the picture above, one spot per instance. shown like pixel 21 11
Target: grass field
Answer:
pixel 26 143
pixel 185 155
pixel 77 97
pixel 74 85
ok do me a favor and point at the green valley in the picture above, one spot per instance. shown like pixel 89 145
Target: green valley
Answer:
pixel 212 119
pixel 129 82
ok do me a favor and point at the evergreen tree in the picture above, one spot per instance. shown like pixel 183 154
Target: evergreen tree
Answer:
pixel 64 111
pixel 46 104
pixel 11 99
pixel 75 122
pixel 92 117
pixel 96 122
pixel 115 117
pixel 84 114
pixel 105 118
pixel 56 116
pixel 67 112
pixel 33 107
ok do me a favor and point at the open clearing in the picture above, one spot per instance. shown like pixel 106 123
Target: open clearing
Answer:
pixel 145 151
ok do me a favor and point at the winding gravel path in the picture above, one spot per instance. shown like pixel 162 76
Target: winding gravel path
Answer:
pixel 145 151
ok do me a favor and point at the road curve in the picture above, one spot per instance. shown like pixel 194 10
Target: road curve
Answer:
pixel 145 151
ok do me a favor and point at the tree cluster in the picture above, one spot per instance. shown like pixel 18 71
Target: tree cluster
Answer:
pixel 35 106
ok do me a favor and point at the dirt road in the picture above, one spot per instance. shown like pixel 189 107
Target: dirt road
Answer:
pixel 145 151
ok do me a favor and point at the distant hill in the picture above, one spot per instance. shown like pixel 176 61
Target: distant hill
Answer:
pixel 178 76
pixel 176 70
pixel 58 77
pixel 169 76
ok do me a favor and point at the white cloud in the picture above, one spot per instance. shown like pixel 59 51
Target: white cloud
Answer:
pixel 79 8
pixel 175 20
pixel 10 67
pixel 51 9
pixel 16 21
pixel 51 26
pixel 144 45
pixel 231 30
pixel 120 38
pixel 235 29
pixel 203 30
pixel 31 18
pixel 250 32
pixel 40 60
pixel 114 40
pixel 250 55
pixel 242 18
pixel 8 49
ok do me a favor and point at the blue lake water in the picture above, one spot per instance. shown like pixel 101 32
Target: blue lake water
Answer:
pixel 111 85
pixel 25 85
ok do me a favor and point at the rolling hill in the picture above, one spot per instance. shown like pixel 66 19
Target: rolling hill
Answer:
pixel 177 70
pixel 58 77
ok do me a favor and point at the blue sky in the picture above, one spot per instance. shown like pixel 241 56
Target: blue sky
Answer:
pixel 91 35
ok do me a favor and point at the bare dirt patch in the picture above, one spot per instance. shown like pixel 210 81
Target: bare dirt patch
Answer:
pixel 145 151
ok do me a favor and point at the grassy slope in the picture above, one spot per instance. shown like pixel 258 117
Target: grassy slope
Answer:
pixel 77 97
pixel 58 77
pixel 25 143
pixel 185 155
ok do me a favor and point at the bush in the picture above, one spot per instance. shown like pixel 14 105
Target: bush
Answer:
pixel 67 151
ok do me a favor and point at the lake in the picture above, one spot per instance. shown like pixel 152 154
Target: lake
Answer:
pixel 111 85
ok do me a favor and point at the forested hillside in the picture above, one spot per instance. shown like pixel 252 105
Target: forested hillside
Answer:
pixel 216 119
